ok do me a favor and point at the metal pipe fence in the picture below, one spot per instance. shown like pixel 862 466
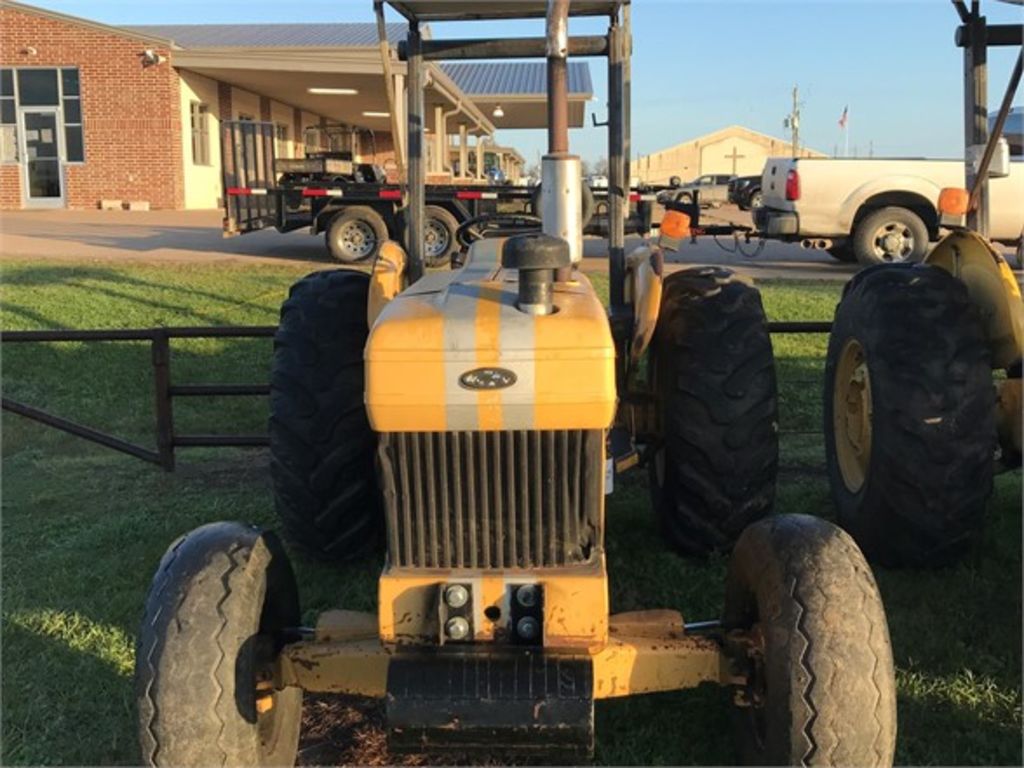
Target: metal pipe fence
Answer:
pixel 165 391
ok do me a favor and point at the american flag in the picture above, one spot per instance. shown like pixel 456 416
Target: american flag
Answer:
pixel 845 116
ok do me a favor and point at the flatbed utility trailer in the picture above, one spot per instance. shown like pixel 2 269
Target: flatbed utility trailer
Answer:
pixel 357 210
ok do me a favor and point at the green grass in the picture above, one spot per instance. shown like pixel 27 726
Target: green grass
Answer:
pixel 83 529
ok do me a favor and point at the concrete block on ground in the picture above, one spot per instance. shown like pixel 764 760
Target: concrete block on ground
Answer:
pixel 111 205
pixel 138 205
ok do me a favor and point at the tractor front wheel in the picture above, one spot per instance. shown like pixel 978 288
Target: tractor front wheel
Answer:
pixel 322 449
pixel 805 622
pixel 204 663
pixel 910 408
pixel 715 471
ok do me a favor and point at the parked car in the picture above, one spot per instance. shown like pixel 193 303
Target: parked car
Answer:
pixel 745 192
pixel 875 211
pixel 711 190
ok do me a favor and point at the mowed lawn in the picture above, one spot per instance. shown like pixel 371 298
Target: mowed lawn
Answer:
pixel 84 528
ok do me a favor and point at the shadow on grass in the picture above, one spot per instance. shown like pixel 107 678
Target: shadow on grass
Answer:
pixel 54 695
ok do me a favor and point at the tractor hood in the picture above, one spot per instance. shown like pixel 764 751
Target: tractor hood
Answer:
pixel 454 353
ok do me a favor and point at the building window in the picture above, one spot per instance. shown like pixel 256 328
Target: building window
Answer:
pixel 200 121
pixel 71 103
pixel 282 146
pixel 41 88
pixel 8 118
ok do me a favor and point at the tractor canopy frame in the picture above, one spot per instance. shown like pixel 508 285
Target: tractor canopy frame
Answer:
pixel 616 46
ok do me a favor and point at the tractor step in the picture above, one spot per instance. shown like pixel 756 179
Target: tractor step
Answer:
pixel 498 702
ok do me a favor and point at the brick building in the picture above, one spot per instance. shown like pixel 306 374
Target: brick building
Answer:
pixel 91 112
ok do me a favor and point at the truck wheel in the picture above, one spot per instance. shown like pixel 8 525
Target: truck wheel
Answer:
pixel 214 615
pixel 439 241
pixel 355 234
pixel 890 235
pixel 755 200
pixel 821 689
pixel 321 446
pixel 909 415
pixel 715 472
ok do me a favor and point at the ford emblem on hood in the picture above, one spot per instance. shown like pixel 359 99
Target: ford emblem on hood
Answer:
pixel 487 378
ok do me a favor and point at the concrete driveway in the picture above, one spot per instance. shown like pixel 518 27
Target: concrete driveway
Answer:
pixel 182 236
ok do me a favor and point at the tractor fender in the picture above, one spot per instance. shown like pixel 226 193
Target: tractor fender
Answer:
pixel 992 288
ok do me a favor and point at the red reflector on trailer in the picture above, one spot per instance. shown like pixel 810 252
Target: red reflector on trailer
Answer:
pixel 238 191
pixel 312 192
pixel 634 197
pixel 390 194
pixel 469 195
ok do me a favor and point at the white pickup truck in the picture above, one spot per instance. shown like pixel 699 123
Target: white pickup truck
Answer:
pixel 874 211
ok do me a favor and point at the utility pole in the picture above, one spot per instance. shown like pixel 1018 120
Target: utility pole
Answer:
pixel 792 121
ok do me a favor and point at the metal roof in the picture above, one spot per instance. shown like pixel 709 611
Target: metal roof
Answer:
pixel 508 78
pixel 271 35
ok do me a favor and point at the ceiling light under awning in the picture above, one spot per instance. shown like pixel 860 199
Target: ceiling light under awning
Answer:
pixel 376 114
pixel 498 111
pixel 333 91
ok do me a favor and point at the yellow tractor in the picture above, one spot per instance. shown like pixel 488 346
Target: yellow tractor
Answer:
pixel 474 419
pixel 916 424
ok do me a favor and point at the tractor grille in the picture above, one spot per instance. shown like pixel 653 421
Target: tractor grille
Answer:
pixel 491 499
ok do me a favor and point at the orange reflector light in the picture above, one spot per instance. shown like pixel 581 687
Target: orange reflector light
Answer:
pixel 953 201
pixel 676 224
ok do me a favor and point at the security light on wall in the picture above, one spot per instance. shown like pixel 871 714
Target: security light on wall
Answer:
pixel 498 111
pixel 151 58
pixel 333 91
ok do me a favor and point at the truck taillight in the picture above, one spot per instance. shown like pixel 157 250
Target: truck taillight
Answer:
pixel 793 185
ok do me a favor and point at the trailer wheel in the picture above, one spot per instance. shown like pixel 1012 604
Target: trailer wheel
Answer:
pixel 890 235
pixel 805 621
pixel 212 627
pixel 909 415
pixel 439 242
pixel 355 234
pixel 587 198
pixel 715 376
pixel 321 446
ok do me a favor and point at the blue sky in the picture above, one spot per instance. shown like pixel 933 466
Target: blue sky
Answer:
pixel 699 65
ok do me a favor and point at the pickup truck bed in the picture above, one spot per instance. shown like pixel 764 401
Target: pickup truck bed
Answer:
pixel 875 210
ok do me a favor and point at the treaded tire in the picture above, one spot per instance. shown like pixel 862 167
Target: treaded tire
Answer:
pixel 443 218
pixel 824 690
pixel 933 432
pixel 902 218
pixel 370 223
pixel 219 598
pixel 715 379
pixel 321 446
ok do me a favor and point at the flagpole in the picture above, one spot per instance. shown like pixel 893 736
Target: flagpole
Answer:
pixel 846 136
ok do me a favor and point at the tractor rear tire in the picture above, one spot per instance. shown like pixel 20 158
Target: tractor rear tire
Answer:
pixel 214 615
pixel 715 378
pixel 910 411
pixel 321 446
pixel 822 689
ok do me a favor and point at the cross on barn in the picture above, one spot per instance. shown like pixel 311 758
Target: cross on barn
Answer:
pixel 734 157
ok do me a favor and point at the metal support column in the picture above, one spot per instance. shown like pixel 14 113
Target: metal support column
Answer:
pixel 627 94
pixel 976 111
pixel 416 188
pixel 463 151
pixel 617 181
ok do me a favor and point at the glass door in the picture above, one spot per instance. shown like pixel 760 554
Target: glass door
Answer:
pixel 42 158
